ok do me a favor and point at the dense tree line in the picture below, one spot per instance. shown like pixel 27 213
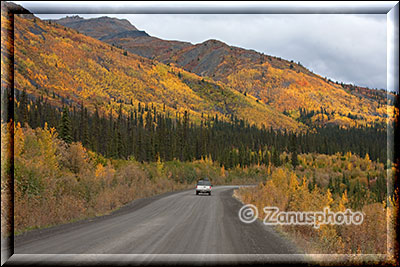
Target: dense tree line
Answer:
pixel 150 135
pixel 305 116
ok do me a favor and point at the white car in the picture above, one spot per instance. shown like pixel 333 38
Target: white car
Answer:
pixel 203 186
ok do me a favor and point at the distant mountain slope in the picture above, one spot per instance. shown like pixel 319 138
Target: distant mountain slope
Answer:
pixel 286 86
pixel 97 27
pixel 122 34
pixel 63 65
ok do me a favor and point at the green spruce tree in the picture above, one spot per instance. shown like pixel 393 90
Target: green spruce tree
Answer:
pixel 65 126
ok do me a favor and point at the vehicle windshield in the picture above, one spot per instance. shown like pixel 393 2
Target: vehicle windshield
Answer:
pixel 203 183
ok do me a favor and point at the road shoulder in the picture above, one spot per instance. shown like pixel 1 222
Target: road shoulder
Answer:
pixel 132 206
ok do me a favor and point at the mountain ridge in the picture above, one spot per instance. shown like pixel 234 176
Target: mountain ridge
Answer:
pixel 98 28
pixel 117 38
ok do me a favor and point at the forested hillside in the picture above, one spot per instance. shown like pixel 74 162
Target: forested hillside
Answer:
pixel 64 66
pixel 279 83
pixel 150 111
pixel 285 85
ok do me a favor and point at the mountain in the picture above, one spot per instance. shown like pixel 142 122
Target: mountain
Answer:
pixel 61 64
pixel 99 28
pixel 64 66
pixel 285 85
pixel 121 33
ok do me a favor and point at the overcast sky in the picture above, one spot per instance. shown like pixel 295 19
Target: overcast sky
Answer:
pixel 344 47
